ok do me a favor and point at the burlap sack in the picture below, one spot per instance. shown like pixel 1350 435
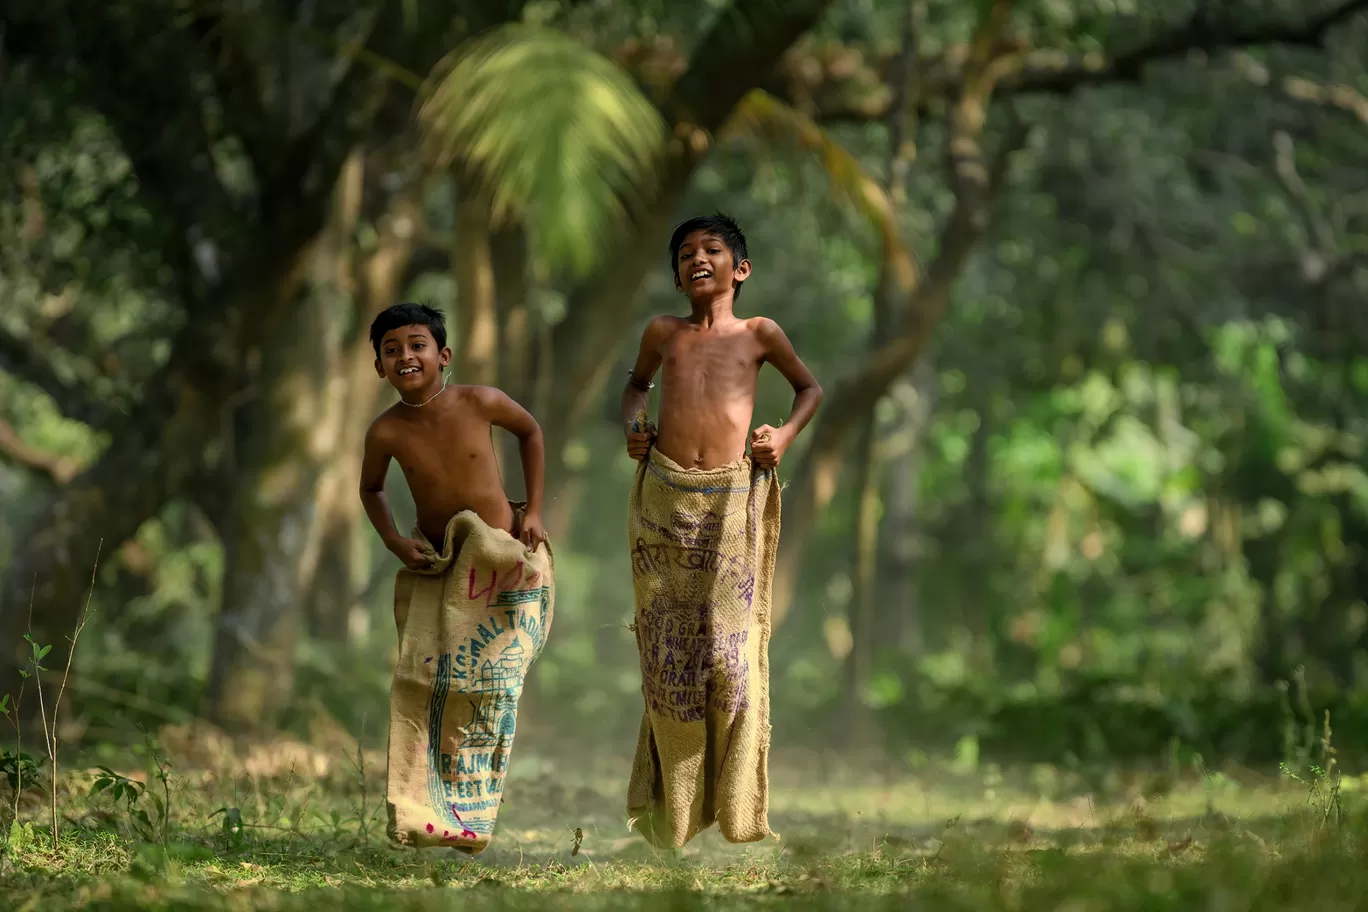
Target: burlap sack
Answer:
pixel 469 629
pixel 703 546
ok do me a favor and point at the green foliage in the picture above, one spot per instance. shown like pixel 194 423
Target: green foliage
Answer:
pixel 20 770
pixel 574 168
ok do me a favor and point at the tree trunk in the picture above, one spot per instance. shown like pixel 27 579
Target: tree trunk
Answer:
pixel 859 664
pixel 157 454
pixel 862 616
pixel 972 523
pixel 477 308
pixel 269 527
pixel 903 552
pixel 292 546
pixel 328 600
pixel 517 339
pixel 373 281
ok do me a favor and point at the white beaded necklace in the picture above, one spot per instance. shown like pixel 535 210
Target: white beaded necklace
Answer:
pixel 427 400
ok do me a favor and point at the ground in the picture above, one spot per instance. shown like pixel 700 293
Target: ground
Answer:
pixel 284 826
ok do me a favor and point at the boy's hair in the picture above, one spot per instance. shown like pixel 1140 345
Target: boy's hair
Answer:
pixel 408 314
pixel 724 226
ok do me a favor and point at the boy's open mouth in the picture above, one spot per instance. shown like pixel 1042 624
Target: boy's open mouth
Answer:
pixel 405 371
pixel 700 274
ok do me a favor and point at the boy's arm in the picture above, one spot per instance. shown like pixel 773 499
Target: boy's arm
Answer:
pixel 769 443
pixel 375 461
pixel 636 395
pixel 504 412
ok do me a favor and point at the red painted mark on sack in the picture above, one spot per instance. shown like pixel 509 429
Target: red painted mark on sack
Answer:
pixel 488 592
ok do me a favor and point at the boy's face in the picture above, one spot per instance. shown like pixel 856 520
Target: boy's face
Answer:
pixel 704 267
pixel 410 359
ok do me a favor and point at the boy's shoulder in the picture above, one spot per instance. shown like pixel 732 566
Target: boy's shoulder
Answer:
pixel 663 325
pixel 765 329
pixel 760 324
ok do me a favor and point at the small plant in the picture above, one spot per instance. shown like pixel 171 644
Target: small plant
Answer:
pixel 160 769
pixel 231 826
pixel 129 792
pixel 18 767
pixel 1310 760
pixel 1322 783
pixel 50 717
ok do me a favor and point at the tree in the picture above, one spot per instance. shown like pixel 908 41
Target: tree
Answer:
pixel 990 69
pixel 226 415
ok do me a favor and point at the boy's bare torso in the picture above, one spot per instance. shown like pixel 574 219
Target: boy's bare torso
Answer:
pixel 446 452
pixel 709 376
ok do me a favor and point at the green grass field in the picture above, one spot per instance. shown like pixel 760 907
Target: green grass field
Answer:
pixel 850 835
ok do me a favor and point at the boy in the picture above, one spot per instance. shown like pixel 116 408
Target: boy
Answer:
pixel 441 437
pixel 474 603
pixel 703 527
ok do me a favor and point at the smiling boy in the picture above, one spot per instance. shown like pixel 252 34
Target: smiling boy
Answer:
pixel 440 434
pixel 474 603
pixel 703 528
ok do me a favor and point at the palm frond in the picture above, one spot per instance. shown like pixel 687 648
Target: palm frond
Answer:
pixel 552 131
pixel 766 124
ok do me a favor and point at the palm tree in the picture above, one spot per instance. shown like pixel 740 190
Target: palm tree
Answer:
pixel 559 137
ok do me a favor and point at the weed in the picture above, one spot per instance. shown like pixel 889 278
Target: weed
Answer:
pixel 38 652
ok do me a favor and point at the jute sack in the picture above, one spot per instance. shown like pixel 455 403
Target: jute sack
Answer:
pixel 469 630
pixel 703 546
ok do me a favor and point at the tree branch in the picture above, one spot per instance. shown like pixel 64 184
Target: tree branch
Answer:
pixel 839 99
pixel 1052 72
pixel 1324 261
pixel 60 469
pixel 1306 91
pixel 21 360
pixel 1318 228
pixel 743 45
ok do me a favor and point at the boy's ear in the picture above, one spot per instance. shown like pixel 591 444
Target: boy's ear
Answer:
pixel 444 357
pixel 742 271
pixel 379 368
pixel 679 285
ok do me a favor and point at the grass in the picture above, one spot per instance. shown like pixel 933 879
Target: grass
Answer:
pixel 286 826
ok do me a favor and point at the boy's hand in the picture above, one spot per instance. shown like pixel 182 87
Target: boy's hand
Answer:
pixel 533 533
pixel 638 443
pixel 413 553
pixel 768 445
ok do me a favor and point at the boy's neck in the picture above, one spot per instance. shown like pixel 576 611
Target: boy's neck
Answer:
pixel 708 311
pixel 427 394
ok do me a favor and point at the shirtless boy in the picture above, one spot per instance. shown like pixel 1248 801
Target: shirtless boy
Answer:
pixel 440 435
pixel 474 602
pixel 712 361
pixel 703 526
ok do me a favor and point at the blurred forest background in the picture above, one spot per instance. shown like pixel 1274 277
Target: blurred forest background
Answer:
pixel 1084 280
